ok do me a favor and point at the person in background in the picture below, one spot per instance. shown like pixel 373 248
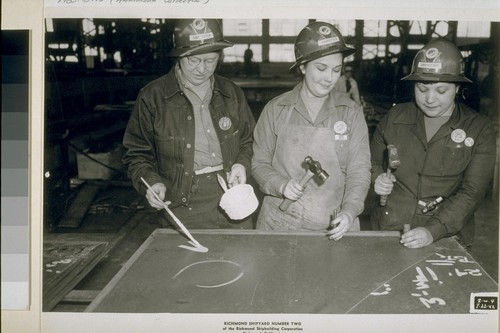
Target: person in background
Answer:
pixel 248 62
pixel 446 153
pixel 347 85
pixel 189 125
pixel 313 120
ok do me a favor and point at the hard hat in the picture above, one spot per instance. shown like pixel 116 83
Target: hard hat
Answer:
pixel 197 36
pixel 438 61
pixel 319 39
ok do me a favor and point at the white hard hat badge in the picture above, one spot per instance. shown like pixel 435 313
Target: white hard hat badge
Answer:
pixel 199 24
pixel 225 123
pixel 431 53
pixel 324 30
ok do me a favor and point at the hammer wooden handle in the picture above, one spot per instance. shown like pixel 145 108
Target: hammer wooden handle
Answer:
pixel 383 198
pixel 303 182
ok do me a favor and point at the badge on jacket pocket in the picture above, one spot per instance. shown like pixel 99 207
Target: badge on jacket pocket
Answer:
pixel 225 123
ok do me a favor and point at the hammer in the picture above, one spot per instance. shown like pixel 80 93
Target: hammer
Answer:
pixel 394 162
pixel 313 169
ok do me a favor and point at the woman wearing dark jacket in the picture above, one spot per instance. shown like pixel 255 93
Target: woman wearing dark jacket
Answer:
pixel 446 153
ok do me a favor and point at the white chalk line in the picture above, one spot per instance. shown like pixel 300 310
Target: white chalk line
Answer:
pixel 210 261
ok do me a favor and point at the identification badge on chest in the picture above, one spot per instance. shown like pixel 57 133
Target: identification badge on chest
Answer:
pixel 340 129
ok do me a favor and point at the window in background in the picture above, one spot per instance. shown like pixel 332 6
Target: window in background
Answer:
pixel 346 27
pixel 242 27
pixel 236 52
pixel 370 51
pixel 286 27
pixel 474 29
pixel 281 53
pixel 373 28
pixel 420 27
pixel 441 29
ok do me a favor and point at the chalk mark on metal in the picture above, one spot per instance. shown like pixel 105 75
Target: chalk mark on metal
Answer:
pixel 210 261
pixel 387 282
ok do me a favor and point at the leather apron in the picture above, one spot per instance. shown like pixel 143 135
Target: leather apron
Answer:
pixel 314 209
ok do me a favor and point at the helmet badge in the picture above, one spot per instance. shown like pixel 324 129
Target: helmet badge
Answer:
pixel 199 24
pixel 202 32
pixel 431 53
pixel 324 30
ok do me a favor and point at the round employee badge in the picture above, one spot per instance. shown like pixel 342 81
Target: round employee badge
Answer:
pixel 225 123
pixel 340 127
pixel 324 30
pixel 469 142
pixel 431 53
pixel 458 135
pixel 199 24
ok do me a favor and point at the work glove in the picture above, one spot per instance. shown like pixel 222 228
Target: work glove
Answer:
pixel 341 225
pixel 384 184
pixel 159 189
pixel 293 190
pixel 238 175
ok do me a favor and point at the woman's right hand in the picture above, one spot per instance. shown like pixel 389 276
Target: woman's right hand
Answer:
pixel 384 184
pixel 293 190
pixel 160 190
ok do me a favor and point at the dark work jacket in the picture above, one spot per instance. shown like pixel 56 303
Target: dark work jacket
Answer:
pixel 459 173
pixel 159 138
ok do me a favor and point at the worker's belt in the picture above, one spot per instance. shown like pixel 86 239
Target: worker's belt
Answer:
pixel 209 169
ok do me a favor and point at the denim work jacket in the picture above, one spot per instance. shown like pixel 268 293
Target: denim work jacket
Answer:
pixel 159 138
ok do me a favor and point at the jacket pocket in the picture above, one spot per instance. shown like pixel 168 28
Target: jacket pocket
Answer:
pixel 169 149
pixel 231 143
pixel 455 159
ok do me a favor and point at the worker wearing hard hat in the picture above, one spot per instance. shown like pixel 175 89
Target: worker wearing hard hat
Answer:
pixel 446 154
pixel 348 85
pixel 313 120
pixel 189 125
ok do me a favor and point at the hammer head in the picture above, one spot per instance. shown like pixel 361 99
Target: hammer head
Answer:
pixel 392 153
pixel 315 168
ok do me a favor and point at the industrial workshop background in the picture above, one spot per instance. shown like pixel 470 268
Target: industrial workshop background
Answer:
pixel 95 68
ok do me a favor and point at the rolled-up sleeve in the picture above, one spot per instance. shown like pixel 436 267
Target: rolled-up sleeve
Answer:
pixel 270 181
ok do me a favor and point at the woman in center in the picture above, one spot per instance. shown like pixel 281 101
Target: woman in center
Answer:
pixel 313 120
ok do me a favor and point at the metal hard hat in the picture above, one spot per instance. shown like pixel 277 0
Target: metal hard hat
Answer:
pixel 319 39
pixel 438 61
pixel 197 36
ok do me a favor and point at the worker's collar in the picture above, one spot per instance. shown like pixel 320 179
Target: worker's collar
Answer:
pixel 172 85
pixel 415 115
pixel 185 84
pixel 334 98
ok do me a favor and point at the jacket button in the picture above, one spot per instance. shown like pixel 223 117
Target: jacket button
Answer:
pixel 188 145
pixel 186 173
pixel 189 117
pixel 183 199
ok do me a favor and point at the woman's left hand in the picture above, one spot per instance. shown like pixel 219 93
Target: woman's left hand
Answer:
pixel 342 223
pixel 238 175
pixel 417 238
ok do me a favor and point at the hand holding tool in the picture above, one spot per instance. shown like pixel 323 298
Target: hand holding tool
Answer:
pixel 197 247
pixel 394 163
pixel 313 169
pixel 334 216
